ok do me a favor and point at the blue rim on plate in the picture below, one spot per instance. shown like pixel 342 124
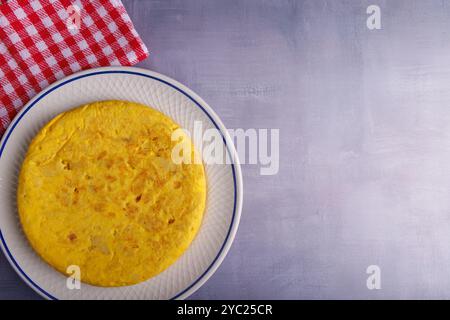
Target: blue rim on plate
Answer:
pixel 45 93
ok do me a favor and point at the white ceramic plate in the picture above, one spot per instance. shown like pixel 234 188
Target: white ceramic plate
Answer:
pixel 224 198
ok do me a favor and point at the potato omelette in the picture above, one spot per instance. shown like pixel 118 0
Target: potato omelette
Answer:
pixel 98 189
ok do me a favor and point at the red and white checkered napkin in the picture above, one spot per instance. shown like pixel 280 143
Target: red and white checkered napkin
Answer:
pixel 42 41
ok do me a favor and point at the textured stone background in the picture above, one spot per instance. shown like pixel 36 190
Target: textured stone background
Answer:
pixel 365 140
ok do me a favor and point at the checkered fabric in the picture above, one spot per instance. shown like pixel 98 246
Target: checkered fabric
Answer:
pixel 42 41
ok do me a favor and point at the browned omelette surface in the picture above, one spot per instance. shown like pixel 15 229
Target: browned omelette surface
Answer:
pixel 98 189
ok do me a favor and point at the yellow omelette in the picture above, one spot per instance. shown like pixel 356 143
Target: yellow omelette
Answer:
pixel 98 189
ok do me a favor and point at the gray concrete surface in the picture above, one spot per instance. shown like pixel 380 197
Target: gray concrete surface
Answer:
pixel 364 119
